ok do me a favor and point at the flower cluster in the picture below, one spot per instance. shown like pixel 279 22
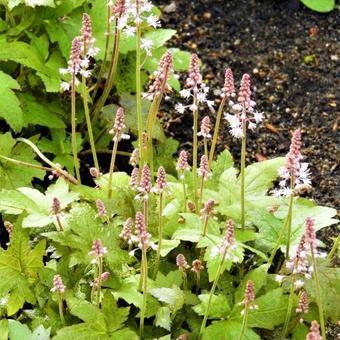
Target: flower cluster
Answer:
pixel 142 232
pixel 182 163
pixel 97 250
pixel 134 159
pixel 181 262
pixel 244 112
pixel 128 15
pixel 134 179
pixel 58 285
pixel 82 50
pixel 303 306
pixel 195 89
pixel 126 233
pixel 299 264
pixel 205 128
pixel 103 278
pixel 249 297
pixel 145 185
pixel 119 126
pixel 228 244
pixel 197 266
pixel 203 171
pixel 293 170
pixel 161 182
pixel 162 75
pixel 208 209
pixel 9 228
pixel 314 333
pixel 101 207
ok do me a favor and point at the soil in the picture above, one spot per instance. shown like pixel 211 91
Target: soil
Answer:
pixel 292 55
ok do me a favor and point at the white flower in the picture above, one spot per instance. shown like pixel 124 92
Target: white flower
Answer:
pixel 93 51
pixel 65 86
pixel 251 125
pixel 180 108
pixel 129 31
pixel 279 278
pixel 63 70
pixel 233 120
pixel 146 44
pixel 85 73
pixel 210 103
pixel 85 63
pixel 236 132
pixel 146 6
pixel 298 284
pixel 237 107
pixel 185 93
pixel 258 116
pixel 201 97
pixel 153 21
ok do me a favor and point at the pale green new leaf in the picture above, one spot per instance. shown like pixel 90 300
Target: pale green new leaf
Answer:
pixel 163 318
pixel 219 307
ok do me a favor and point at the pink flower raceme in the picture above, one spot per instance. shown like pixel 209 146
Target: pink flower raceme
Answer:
pixel 56 206
pixel 126 233
pixel 228 89
pixel 58 285
pixel 314 333
pixel 162 75
pixel 101 207
pixel 134 159
pixel 197 266
pixel 195 89
pixel 182 163
pixel 208 209
pixel 249 297
pixel 203 171
pixel 134 179
pixel 205 128
pixel 161 182
pixel 181 262
pixel 97 250
pixel 145 185
pixel 119 126
pixel 244 110
pixel 104 277
pixel 294 169
pixel 303 306
pixel 142 232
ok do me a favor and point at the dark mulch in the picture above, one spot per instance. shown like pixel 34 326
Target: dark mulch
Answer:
pixel 292 55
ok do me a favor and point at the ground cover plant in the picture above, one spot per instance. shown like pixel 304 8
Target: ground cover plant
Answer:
pixel 159 249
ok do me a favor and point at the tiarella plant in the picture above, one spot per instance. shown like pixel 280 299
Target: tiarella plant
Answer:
pixel 184 247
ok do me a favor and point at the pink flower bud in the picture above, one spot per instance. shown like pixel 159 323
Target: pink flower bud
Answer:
pixel 101 207
pixel 203 170
pixel 145 182
pixel 181 262
pixel 119 124
pixel 120 8
pixel 228 239
pixel 303 303
pixel 228 89
pixel 134 179
pixel 314 333
pixel 197 266
pixel 58 285
pixel 9 227
pixel 127 230
pixel 208 208
pixel 56 207
pixel 245 92
pixel 142 232
pixel 249 296
pixel 75 55
pixel 310 237
pixel 182 163
pixel 94 172
pixel 97 249
pixel 134 159
pixel 205 127
pixel 161 179
pixel 86 29
pixel 195 77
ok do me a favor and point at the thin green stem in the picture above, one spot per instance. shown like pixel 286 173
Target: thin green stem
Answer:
pixel 74 132
pixel 61 228
pixel 88 123
pixel 185 280
pixel 243 166
pixel 34 166
pixel 9 16
pixel 289 308
pixel 112 71
pixel 139 85
pixel 112 164
pixel 198 207
pixel 160 235
pixel 282 232
pixel 46 160
pixel 107 44
pixel 244 323
pixel 194 154
pixel 216 130
pixel 205 143
pixel 334 248
pixel 212 291
pixel 318 296
pixel 184 192
pixel 290 216
pixel 100 271
pixel 61 312
pixel 144 290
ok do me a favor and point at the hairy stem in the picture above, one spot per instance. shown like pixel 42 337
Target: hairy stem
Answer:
pixel 61 312
pixel 139 85
pixel 205 143
pixel 88 123
pixel 112 71
pixel 318 296
pixel 107 43
pixel 243 166
pixel 194 153
pixel 100 272
pixel 244 323
pixel 289 308
pixel 144 290
pixel 30 165
pixel 184 192
pixel 216 130
pixel 112 164
pixel 74 132
pixel 60 171
pixel 160 234
pixel 290 215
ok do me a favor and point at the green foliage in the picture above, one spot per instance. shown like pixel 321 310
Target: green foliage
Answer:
pixel 322 6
